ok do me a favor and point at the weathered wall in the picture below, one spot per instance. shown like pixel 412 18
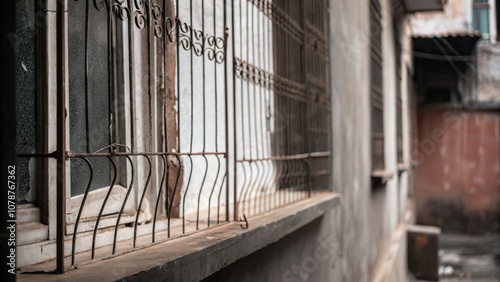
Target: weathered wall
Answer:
pixel 457 157
pixel 456 18
pixel 364 227
pixel 458 172
pixel 310 254
pixel 487 73
pixel 484 70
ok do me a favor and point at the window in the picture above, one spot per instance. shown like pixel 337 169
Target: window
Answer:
pixel 376 90
pixel 497 18
pixel 399 94
pixel 163 98
pixel 480 17
pixel 437 95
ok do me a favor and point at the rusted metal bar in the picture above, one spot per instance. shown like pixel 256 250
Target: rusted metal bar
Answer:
pixel 62 86
pixel 150 169
pixel 290 157
pixel 123 154
pixel 80 210
pixel 115 174
pixel 130 187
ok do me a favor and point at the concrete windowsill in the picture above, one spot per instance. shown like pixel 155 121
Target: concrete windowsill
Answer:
pixel 197 256
pixel 381 176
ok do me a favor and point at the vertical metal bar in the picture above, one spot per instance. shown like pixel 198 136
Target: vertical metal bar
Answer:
pixel 159 196
pixel 62 81
pixel 130 187
pixel 261 189
pixel 87 102
pixel 303 68
pixel 165 109
pixel 111 94
pixel 227 199
pixel 255 134
pixel 226 105
pixel 169 212
pixel 142 199
pixel 191 123
pixel 249 110
pixel 131 74
pixel 235 139
pixel 213 188
pixel 179 139
pixel 216 106
pixel 75 231
pixel 203 86
pixel 115 176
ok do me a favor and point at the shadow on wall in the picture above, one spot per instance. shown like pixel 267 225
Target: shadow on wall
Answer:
pixel 452 217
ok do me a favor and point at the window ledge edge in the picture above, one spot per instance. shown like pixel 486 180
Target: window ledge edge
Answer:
pixel 199 255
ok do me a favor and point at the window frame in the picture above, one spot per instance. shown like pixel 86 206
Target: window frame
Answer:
pixel 477 7
pixel 377 135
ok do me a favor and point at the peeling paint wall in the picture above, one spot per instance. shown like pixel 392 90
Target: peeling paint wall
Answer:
pixel 457 151
pixel 458 172
pixel 456 18
pixel 487 73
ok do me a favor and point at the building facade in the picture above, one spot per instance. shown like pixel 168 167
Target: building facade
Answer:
pixel 218 140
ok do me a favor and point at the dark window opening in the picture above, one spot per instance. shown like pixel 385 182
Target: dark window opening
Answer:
pixel 376 88
pixel 497 13
pixel 437 95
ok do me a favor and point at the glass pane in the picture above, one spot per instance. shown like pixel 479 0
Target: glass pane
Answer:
pixel 480 21
pixel 88 103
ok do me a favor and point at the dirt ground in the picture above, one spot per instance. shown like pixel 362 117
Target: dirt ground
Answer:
pixel 469 258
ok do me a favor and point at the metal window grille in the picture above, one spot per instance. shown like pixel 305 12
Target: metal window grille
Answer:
pixel 377 97
pixel 399 93
pixel 157 101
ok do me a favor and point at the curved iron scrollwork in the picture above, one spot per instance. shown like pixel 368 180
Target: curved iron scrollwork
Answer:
pixel 157 13
pixel 196 40
pixel 148 14
pixel 215 48
pixel 119 7
pixel 140 14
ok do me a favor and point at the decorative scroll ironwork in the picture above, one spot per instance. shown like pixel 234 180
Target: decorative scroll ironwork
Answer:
pixel 119 7
pixel 148 13
pixel 196 40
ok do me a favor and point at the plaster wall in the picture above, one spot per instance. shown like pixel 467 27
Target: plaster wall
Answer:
pixel 456 18
pixel 487 73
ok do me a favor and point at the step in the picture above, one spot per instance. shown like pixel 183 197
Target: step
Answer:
pixel 31 232
pixel 27 213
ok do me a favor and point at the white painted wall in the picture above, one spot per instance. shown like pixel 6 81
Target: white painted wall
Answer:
pixel 456 18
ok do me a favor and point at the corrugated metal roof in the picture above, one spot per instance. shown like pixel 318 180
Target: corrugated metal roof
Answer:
pixel 451 43
pixel 449 34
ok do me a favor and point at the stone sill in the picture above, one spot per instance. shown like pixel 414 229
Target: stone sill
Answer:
pixel 199 255
pixel 380 177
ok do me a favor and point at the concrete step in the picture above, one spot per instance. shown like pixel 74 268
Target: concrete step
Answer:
pixel 27 213
pixel 31 232
pixel 39 252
